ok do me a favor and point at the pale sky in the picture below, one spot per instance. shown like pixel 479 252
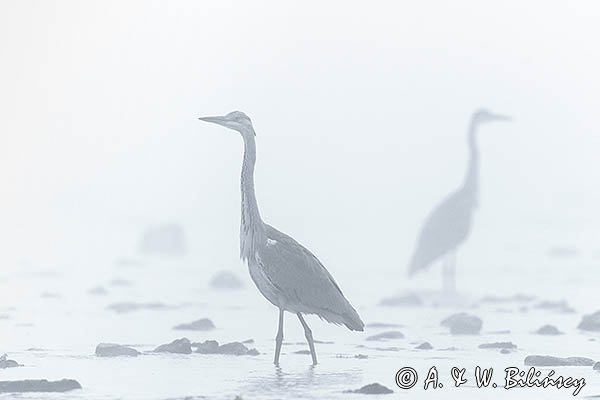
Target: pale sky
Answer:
pixel 360 113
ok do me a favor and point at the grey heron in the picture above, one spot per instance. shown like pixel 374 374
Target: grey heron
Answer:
pixel 286 273
pixel 449 224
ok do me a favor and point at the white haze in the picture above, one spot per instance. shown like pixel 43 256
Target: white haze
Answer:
pixel 360 111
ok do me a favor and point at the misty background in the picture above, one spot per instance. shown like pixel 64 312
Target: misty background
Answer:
pixel 361 115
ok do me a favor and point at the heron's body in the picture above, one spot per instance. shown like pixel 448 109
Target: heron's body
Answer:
pixel 286 273
pixel 449 224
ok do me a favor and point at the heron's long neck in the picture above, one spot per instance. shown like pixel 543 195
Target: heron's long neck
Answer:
pixel 471 183
pixel 251 227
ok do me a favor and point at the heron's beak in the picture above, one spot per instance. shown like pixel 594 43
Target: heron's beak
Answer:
pixel 215 120
pixel 500 117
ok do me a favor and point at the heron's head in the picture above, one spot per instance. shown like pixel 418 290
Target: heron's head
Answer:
pixel 483 115
pixel 236 120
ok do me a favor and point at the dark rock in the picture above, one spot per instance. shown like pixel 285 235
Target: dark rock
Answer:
pixel 302 352
pixel 498 345
pixel 463 324
pixel 505 351
pixel 590 322
pixel 6 363
pixel 126 307
pixel 597 366
pixel 252 352
pixel 233 348
pixel 203 324
pixel 248 341
pixel 424 346
pixel 167 239
pixel 556 306
pixel 386 335
pixel 550 361
pixel 97 291
pixel 406 300
pixel 38 385
pixel 548 330
pixel 207 347
pixel 361 356
pixel 115 350
pixel 226 280
pixel 387 349
pixel 178 346
pixel 373 388
pixel 4 316
pixel 382 325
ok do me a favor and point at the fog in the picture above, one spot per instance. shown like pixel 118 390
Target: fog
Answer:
pixel 361 115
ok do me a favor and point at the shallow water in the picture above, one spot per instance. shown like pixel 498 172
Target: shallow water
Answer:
pixel 63 329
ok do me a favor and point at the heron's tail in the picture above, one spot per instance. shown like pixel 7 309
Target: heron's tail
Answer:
pixel 352 320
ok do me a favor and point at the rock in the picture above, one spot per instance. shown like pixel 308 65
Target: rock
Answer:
pixel 517 298
pixel 252 352
pixel 203 324
pixel 548 330
pixel 115 350
pixel 226 280
pixel 126 307
pixel 557 306
pixel 406 300
pixel 463 324
pixel 6 363
pixel 38 385
pixel 498 345
pixel 120 282
pixel 590 322
pixel 128 262
pixel 4 316
pixel 233 348
pixel 563 252
pixel 501 332
pixel 550 361
pixel 386 335
pixel 302 352
pixel 382 325
pixel 178 346
pixel 167 239
pixel 207 347
pixel 373 388
pixel 248 341
pixel 597 366
pixel 97 291
pixel 505 351
pixel 424 346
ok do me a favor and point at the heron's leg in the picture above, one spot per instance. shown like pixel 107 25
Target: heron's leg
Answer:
pixel 279 338
pixel 309 338
pixel 449 273
pixel 453 271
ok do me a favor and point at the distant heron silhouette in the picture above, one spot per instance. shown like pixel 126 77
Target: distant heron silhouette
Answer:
pixel 449 224
pixel 285 272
